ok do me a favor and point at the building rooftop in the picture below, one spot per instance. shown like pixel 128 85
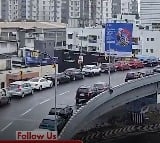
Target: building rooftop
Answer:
pixel 30 25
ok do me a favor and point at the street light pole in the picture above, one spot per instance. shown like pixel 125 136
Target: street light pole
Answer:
pixel 81 51
pixel 55 91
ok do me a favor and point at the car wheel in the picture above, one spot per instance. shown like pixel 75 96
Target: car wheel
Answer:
pixel 22 95
pixel 32 92
pixel 51 85
pixel 74 78
pixel 58 82
pixel 92 74
pixel 9 101
pixel 40 88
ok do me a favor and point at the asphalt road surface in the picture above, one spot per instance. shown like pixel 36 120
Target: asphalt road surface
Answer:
pixel 26 114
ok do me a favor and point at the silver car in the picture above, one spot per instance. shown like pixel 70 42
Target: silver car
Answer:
pixel 20 88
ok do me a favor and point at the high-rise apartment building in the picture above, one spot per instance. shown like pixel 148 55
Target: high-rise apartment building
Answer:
pixel 124 7
pixel 40 10
pixel 107 10
pixel 150 13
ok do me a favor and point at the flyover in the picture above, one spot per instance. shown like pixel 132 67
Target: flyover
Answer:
pixel 107 101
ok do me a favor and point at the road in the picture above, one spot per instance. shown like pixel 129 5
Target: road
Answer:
pixel 26 114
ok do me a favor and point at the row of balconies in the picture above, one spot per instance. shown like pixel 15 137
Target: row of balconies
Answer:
pixel 6 38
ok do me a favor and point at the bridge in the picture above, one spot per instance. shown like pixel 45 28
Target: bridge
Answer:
pixel 108 101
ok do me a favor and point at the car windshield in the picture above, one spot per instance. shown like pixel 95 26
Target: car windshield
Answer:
pixel 104 65
pixel 98 86
pixel 83 90
pixel 34 80
pixel 130 74
pixel 48 122
pixel 87 67
pixel 13 86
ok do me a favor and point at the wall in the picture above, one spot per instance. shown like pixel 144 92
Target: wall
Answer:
pixel 8 47
pixel 41 70
pixel 151 44
pixel 84 32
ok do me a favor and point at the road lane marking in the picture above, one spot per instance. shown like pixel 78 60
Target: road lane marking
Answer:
pixel 6 126
pixel 26 112
pixel 45 101
pixel 42 103
pixel 63 93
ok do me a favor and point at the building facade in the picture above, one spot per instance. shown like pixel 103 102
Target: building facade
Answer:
pixel 150 43
pixel 92 39
pixel 150 14
pixel 124 7
pixel 107 10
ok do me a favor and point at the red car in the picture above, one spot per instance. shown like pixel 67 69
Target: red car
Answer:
pixel 122 65
pixel 136 64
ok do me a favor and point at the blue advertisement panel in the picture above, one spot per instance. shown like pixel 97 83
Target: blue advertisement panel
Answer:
pixel 32 57
pixel 118 38
pixel 36 58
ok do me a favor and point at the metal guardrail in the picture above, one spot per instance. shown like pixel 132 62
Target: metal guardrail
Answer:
pixel 106 97
pixel 119 132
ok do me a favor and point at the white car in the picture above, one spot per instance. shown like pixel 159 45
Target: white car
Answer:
pixel 91 70
pixel 40 83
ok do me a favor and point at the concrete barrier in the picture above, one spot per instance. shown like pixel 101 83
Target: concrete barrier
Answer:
pixel 107 101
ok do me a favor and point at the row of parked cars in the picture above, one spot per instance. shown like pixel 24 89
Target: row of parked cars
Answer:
pixel 23 88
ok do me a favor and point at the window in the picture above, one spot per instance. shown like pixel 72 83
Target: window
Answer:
pixel 92 38
pixel 146 50
pixel 147 39
pixel 70 46
pixel 152 39
pixel 151 50
pixel 70 36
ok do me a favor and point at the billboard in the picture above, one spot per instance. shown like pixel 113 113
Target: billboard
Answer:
pixel 118 38
pixel 32 57
pixel 37 58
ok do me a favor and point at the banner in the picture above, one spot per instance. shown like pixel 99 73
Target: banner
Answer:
pixel 32 57
pixel 36 58
pixel 118 38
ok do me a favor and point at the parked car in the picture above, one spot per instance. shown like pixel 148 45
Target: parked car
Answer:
pixel 74 74
pixel 49 123
pixel 20 88
pixel 146 72
pixel 122 65
pixel 148 61
pixel 100 87
pixel 84 94
pixel 105 67
pixel 4 97
pixel 132 75
pixel 40 83
pixel 134 64
pixel 157 69
pixel 91 70
pixel 61 78
pixel 65 112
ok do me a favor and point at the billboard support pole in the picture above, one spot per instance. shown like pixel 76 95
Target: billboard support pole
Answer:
pixel 109 70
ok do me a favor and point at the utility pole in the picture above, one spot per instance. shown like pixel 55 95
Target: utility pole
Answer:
pixel 55 91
